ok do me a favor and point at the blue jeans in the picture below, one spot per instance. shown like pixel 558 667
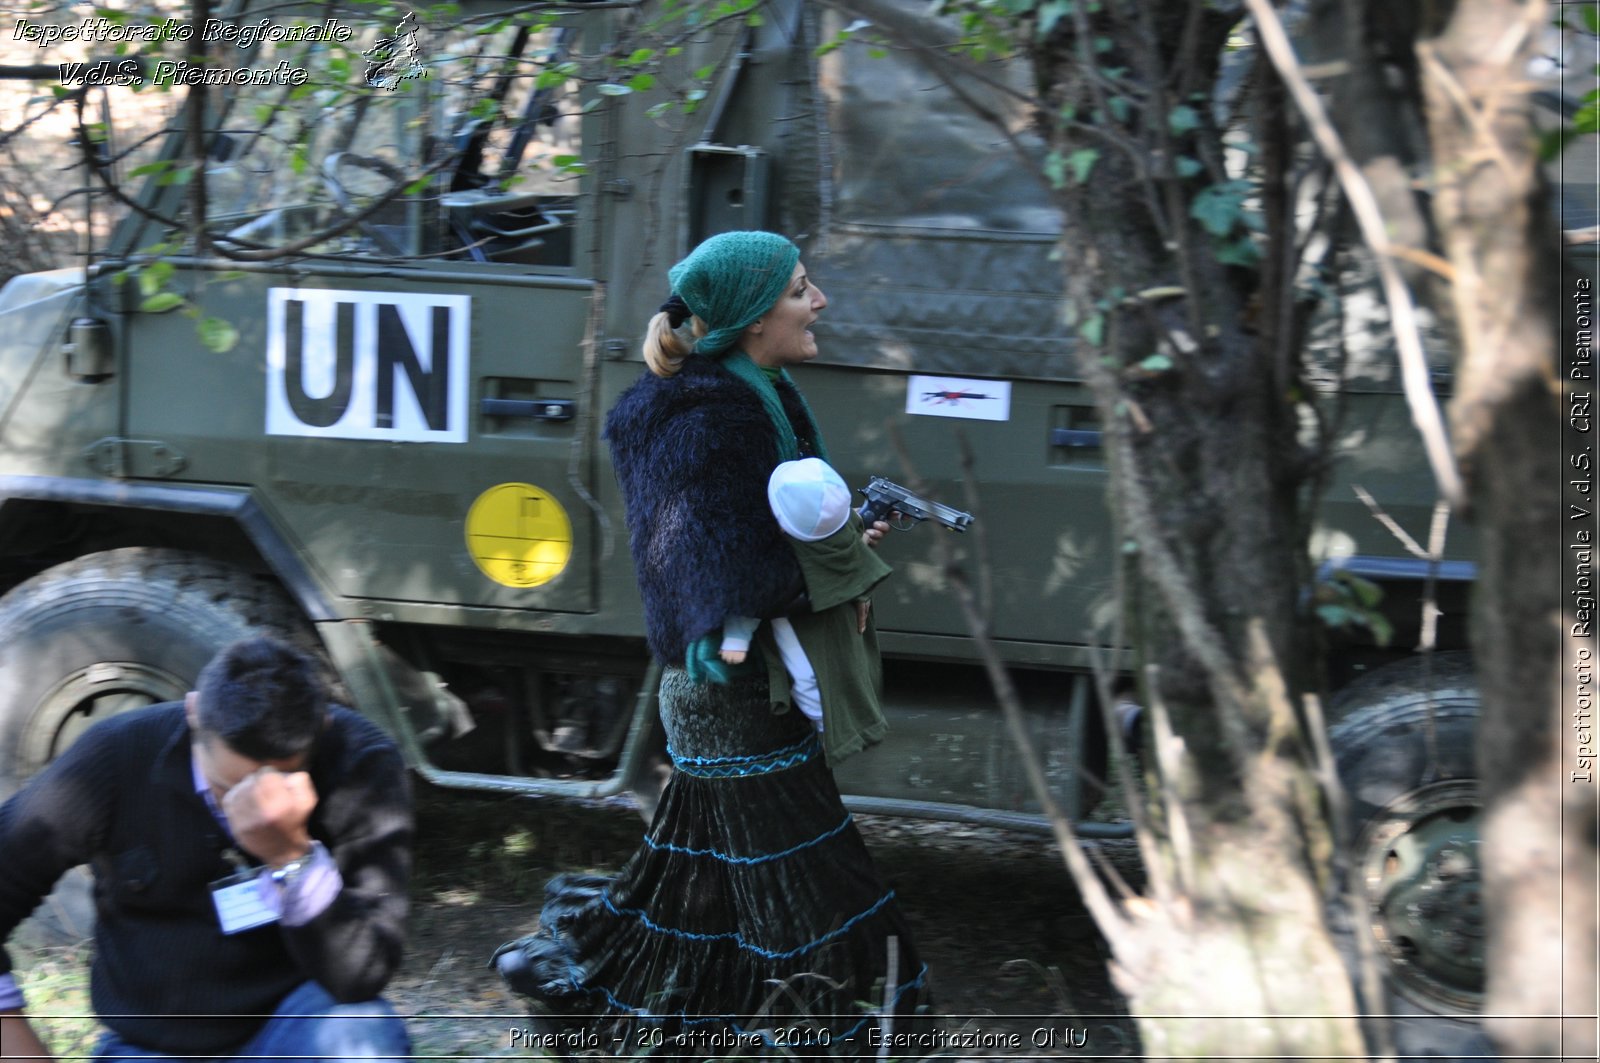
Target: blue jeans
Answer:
pixel 308 1025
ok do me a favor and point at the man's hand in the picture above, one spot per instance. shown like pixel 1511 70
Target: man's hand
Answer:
pixel 18 1040
pixel 875 532
pixel 268 812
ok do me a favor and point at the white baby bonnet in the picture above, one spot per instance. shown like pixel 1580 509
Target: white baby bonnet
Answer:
pixel 809 499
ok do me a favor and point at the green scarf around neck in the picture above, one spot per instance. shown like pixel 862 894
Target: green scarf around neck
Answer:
pixel 742 366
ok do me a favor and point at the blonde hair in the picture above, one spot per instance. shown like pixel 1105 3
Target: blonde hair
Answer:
pixel 665 348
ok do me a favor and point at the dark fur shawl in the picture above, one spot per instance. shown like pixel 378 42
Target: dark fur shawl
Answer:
pixel 692 453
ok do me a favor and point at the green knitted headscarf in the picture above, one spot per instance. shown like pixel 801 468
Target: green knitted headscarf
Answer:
pixel 728 282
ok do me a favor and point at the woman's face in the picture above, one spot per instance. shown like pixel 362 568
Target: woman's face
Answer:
pixel 782 336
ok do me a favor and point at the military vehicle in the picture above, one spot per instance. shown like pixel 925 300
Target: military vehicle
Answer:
pixel 386 445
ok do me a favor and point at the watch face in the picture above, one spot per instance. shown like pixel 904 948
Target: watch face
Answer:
pixel 290 871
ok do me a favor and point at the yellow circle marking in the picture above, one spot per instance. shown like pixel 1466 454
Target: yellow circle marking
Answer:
pixel 519 535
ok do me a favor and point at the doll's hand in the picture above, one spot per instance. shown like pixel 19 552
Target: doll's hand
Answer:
pixel 733 656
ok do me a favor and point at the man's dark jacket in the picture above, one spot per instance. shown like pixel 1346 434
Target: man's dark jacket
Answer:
pixel 693 453
pixel 122 798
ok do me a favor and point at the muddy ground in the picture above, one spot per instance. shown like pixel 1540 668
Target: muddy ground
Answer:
pixel 996 917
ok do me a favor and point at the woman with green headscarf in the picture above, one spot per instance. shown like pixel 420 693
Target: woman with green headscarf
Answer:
pixel 751 920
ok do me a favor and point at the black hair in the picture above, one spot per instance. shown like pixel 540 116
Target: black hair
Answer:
pixel 264 699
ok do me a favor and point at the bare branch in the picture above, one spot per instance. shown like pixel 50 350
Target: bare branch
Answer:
pixel 1401 535
pixel 1326 772
pixel 1107 914
pixel 1132 799
pixel 1424 406
pixel 1168 749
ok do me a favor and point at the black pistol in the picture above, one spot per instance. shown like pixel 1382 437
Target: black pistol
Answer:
pixel 885 496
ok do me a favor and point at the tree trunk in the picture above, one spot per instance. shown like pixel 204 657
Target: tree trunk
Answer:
pixel 1187 357
pixel 1509 417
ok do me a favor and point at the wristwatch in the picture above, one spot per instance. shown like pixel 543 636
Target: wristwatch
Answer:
pixel 287 873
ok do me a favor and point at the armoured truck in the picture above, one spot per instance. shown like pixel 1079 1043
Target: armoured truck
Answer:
pixel 364 413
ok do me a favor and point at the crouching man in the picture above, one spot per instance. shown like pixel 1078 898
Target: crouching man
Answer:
pixel 250 848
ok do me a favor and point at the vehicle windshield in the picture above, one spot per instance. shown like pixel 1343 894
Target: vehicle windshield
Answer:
pixel 450 138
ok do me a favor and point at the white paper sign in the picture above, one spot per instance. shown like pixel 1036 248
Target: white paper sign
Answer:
pixel 367 365
pixel 953 396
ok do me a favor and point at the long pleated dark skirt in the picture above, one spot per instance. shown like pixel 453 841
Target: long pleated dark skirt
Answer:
pixel 750 922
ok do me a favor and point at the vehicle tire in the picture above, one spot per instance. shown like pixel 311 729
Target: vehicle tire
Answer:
pixel 109 632
pixel 1404 749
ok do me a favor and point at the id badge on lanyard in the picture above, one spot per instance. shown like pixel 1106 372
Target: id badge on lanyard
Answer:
pixel 237 899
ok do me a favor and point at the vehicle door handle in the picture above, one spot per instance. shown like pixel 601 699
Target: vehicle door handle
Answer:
pixel 536 409
pixel 1074 437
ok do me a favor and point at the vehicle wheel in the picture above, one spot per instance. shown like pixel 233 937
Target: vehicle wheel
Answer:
pixel 1404 751
pixel 110 632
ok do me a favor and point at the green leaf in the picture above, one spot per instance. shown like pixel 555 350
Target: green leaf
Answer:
pixel 1187 167
pixel 1183 119
pixel 1082 162
pixel 218 335
pixel 1587 120
pixel 1367 592
pixel 420 185
pixel 613 89
pixel 640 56
pixel 1093 329
pixel 1591 16
pixel 179 176
pixel 154 277
pixel 1055 168
pixel 231 275
pixel 1156 363
pixel 297 159
pixel 1050 13
pixel 151 167
pixel 642 82
pixel 161 303
pixel 1335 615
pixel 1240 252
pixel 1553 142
pixel 1218 206
pixel 1119 107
